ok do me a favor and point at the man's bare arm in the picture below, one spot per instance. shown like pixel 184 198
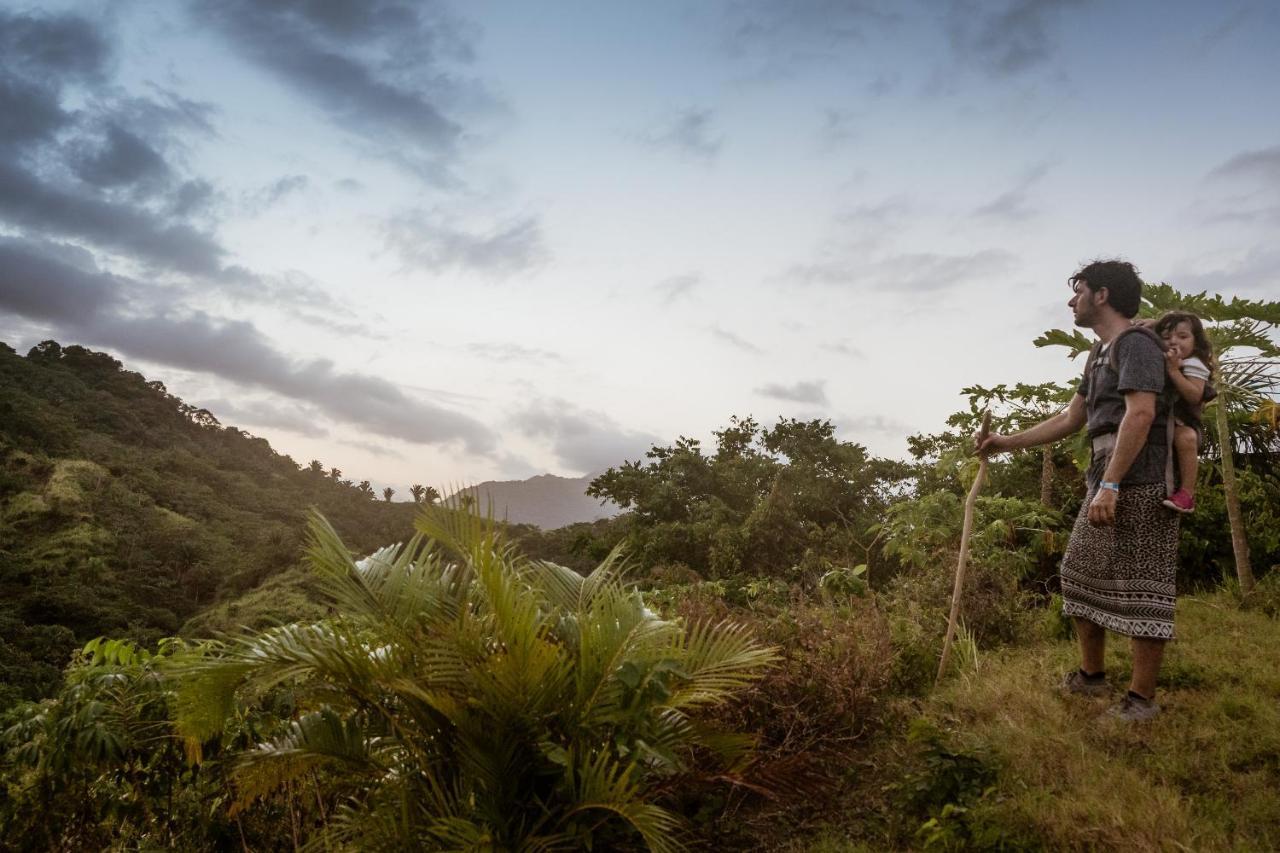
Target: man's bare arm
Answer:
pixel 1061 425
pixel 1139 412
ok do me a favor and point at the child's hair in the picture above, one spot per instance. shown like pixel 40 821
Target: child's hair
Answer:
pixel 1200 347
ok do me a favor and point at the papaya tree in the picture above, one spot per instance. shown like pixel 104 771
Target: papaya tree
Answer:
pixel 1246 369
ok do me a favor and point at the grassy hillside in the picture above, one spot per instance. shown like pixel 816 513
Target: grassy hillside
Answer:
pixel 998 759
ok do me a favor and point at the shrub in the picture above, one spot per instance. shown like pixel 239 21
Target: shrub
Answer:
pixel 464 696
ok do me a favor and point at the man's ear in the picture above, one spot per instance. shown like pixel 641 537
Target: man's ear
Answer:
pixel 1105 293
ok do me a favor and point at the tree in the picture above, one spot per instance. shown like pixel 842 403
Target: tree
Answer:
pixel 416 491
pixel 365 488
pixel 467 698
pixel 387 494
pixel 766 502
pixel 1246 362
pixel 316 467
pixel 335 473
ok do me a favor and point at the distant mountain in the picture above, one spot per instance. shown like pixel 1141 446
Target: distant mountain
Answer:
pixel 546 500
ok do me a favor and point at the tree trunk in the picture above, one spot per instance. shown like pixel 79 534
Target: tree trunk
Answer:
pixel 1239 543
pixel 1046 475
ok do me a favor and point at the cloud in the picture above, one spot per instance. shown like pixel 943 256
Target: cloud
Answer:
pixel 1014 205
pixel 265 413
pixel 39 46
pixel 583 440
pixel 428 241
pixel 1255 272
pixel 1008 40
pixel 734 341
pixel 1253 180
pixel 506 352
pixel 135 231
pixel 1262 164
pixel 813 392
pixel 854 255
pixel 688 133
pixel 122 158
pixel 678 287
pixel 276 191
pixel 96 308
pixel 838 127
pixel 52 289
pixel 843 348
pixel 377 69
pixel 877 424
pixel 778 36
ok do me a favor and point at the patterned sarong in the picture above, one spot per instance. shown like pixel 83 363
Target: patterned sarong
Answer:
pixel 1122 577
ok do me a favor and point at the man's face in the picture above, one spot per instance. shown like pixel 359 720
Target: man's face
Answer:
pixel 1084 304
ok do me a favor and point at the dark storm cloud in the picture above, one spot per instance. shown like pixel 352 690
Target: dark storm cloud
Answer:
pixel 121 158
pixel 96 308
pixel 429 242
pixel 1005 38
pixel 583 440
pixel 40 287
pixel 1014 205
pixel 375 68
pixel 27 113
pixel 64 46
pixel 813 392
pixel 687 132
pixel 146 236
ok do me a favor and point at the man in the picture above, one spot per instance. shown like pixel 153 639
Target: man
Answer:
pixel 1118 570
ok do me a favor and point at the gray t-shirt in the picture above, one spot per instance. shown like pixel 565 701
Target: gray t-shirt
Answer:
pixel 1142 368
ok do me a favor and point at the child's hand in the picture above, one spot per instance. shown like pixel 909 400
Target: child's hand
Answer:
pixel 1172 361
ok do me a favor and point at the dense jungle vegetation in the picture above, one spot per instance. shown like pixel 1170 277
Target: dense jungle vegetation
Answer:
pixel 205 645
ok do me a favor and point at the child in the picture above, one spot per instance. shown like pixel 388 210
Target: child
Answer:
pixel 1187 364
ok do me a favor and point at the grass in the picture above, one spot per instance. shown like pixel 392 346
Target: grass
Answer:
pixel 1204 775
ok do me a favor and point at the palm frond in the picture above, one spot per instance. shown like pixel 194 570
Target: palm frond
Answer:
pixel 718 660
pixel 601 783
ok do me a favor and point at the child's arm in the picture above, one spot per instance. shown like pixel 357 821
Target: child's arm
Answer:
pixel 1191 390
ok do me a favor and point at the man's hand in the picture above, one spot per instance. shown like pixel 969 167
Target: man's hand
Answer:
pixel 1102 509
pixel 1172 361
pixel 994 443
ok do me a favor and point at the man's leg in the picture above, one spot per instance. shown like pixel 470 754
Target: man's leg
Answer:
pixel 1093 646
pixel 1147 655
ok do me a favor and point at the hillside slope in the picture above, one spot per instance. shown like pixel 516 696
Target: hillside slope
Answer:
pixel 124 511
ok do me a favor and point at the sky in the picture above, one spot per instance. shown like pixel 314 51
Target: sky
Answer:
pixel 450 242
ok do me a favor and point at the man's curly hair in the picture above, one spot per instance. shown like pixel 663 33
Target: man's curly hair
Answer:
pixel 1120 278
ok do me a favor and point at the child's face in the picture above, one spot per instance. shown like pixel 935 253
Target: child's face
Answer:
pixel 1181 339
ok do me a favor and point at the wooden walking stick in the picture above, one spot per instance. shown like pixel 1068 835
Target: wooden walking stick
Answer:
pixel 965 530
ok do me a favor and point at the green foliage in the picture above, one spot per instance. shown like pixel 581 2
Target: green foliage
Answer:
pixel 1011 534
pixel 468 695
pixel 791 500
pixel 125 512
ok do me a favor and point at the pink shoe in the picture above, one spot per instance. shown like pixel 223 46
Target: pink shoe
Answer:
pixel 1180 501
